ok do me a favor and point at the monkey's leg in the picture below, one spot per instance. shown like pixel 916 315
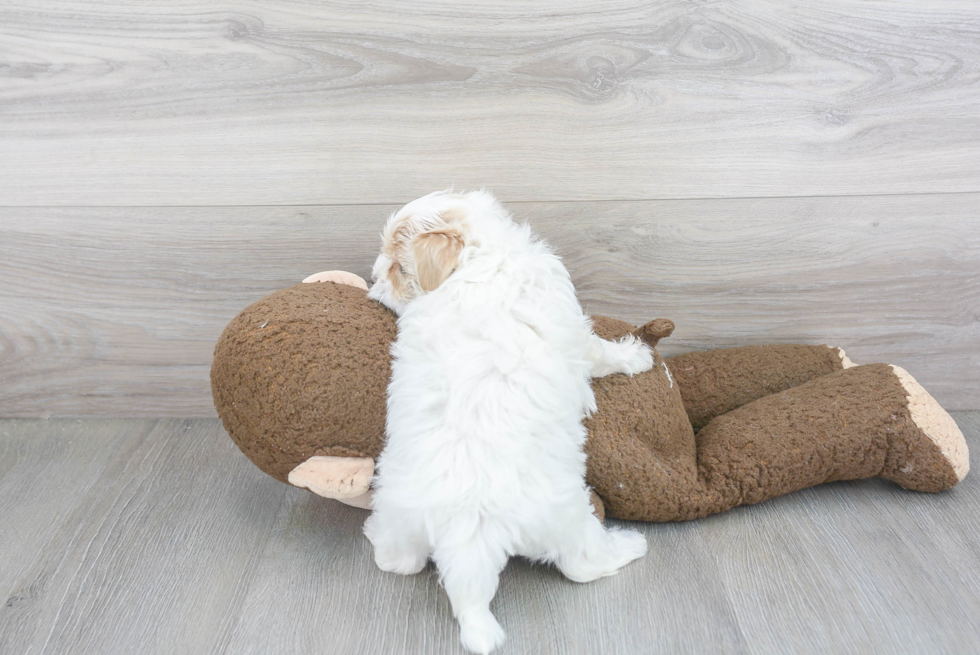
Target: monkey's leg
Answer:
pixel 715 382
pixel 861 422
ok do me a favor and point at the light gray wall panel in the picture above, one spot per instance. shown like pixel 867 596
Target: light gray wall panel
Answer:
pixel 290 102
pixel 115 311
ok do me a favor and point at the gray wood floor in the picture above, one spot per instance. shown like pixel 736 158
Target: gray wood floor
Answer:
pixel 158 536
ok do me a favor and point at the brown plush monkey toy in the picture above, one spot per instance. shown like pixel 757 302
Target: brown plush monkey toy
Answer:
pixel 299 381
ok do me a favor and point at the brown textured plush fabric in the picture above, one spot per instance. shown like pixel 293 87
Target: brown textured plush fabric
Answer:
pixel 716 382
pixel 641 449
pixel 304 372
pixel 852 424
pixel 848 425
pixel 597 507
pixel 611 328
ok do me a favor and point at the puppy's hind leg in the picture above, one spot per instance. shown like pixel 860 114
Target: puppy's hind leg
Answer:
pixel 628 355
pixel 595 552
pixel 400 546
pixel 470 573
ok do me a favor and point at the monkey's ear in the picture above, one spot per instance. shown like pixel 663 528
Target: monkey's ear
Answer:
pixel 654 331
pixel 436 255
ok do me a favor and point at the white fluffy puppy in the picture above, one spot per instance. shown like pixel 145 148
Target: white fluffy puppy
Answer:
pixel 490 382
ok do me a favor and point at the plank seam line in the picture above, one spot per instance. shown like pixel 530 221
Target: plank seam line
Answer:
pixel 398 203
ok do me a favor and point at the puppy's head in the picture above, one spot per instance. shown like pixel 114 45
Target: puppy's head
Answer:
pixel 420 248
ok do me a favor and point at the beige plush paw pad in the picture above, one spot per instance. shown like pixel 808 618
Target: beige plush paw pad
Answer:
pixel 340 277
pixel 935 423
pixel 334 477
pixel 844 359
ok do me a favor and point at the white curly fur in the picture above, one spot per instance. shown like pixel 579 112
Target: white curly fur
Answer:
pixel 490 382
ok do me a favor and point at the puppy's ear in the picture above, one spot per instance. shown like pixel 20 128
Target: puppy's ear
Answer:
pixel 436 254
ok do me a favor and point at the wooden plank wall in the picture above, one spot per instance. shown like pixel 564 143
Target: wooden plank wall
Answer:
pixel 756 171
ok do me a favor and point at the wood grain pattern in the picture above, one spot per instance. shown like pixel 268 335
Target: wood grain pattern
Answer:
pixel 115 311
pixel 290 102
pixel 42 481
pixel 161 537
pixel 153 557
pixel 832 559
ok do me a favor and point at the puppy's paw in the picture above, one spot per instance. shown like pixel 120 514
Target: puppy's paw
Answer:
pixel 629 356
pixel 639 360
pixel 394 552
pixel 402 563
pixel 626 546
pixel 619 548
pixel 479 631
